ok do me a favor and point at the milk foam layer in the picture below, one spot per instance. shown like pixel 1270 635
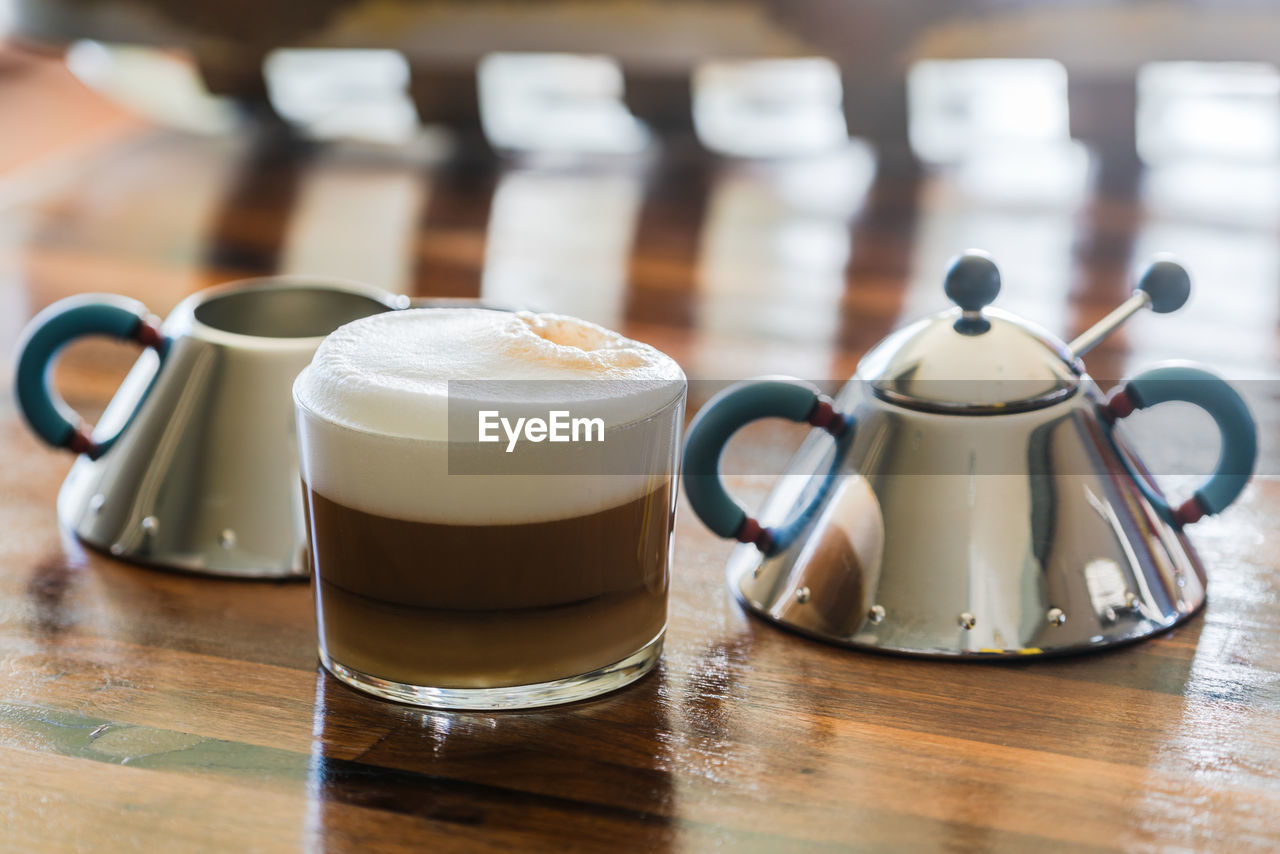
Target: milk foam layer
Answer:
pixel 375 406
pixel 391 373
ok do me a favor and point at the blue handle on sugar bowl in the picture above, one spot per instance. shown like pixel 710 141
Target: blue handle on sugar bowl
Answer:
pixel 722 416
pixel 1235 424
pixel 45 411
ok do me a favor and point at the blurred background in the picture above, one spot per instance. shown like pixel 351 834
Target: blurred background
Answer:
pixel 755 185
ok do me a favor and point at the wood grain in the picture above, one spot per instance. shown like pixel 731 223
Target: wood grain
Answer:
pixel 144 710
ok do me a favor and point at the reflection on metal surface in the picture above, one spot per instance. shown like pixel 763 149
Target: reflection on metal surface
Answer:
pixel 204 477
pixel 1106 585
pixel 927 366
pixel 837 570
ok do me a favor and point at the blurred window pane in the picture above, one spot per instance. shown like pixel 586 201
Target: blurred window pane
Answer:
pixel 556 103
pixel 769 108
pixel 363 94
pixel 965 108
pixel 1214 110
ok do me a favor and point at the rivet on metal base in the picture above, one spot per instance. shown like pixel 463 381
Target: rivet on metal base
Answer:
pixel 227 539
pixel 876 614
pixel 150 525
pixel 968 621
pixel 1056 616
pixel 802 595
pixel 96 503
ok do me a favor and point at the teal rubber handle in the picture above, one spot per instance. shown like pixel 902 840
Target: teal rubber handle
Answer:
pixel 725 414
pixel 45 411
pixel 1236 426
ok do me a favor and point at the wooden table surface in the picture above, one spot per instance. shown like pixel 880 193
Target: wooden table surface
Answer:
pixel 143 710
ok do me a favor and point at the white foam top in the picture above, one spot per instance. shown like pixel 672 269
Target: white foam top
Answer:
pixel 380 392
pixel 394 373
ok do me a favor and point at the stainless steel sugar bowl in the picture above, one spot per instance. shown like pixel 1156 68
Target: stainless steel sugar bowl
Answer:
pixel 967 493
pixel 193 465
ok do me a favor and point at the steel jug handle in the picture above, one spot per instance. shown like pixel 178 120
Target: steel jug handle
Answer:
pixel 726 413
pixel 52 329
pixel 1236 426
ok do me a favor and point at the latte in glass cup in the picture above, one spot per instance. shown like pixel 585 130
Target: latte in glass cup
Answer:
pixel 490 500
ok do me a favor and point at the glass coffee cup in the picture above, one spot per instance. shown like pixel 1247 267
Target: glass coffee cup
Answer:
pixel 490 499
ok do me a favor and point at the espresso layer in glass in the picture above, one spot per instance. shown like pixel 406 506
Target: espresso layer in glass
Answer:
pixel 479 606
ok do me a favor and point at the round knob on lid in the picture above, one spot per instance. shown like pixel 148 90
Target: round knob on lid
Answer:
pixel 1168 285
pixel 972 283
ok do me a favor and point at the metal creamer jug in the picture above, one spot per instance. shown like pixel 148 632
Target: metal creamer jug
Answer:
pixel 193 465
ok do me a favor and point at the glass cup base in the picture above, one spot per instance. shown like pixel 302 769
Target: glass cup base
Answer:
pixel 600 681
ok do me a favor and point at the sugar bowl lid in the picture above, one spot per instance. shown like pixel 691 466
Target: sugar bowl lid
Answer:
pixel 975 360
pixel 971 359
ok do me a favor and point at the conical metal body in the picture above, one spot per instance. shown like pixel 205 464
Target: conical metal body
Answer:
pixel 204 474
